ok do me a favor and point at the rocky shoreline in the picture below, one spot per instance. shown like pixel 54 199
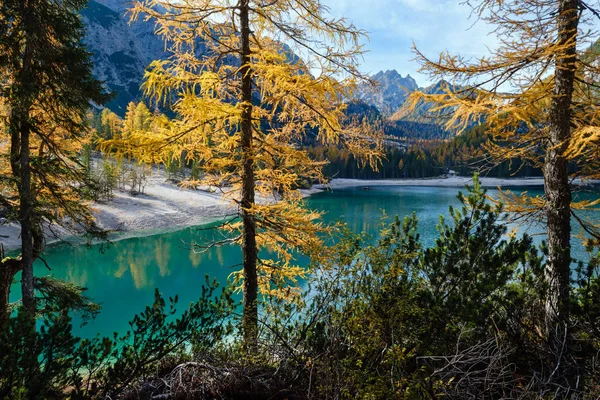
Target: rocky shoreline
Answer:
pixel 164 206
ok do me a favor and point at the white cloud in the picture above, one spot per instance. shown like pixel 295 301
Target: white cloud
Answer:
pixel 433 25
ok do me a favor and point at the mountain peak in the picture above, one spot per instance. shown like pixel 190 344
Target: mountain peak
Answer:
pixel 391 92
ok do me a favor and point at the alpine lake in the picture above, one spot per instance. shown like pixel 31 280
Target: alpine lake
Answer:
pixel 122 276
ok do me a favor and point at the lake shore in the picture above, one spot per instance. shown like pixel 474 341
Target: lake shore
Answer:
pixel 165 207
pixel 451 181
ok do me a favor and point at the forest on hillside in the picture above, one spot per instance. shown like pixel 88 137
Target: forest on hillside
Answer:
pixel 410 153
pixel 463 155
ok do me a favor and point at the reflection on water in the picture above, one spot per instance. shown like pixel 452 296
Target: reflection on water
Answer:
pixel 123 277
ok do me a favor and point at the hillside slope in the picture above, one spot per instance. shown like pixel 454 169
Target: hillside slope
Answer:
pixel 120 51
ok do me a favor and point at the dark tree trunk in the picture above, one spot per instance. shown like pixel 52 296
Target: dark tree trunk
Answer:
pixel 8 269
pixel 24 87
pixel 558 195
pixel 26 220
pixel 249 249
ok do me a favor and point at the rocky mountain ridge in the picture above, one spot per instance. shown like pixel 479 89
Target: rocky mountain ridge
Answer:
pixel 122 50
pixel 391 91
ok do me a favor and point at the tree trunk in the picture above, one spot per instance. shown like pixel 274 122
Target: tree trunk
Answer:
pixel 558 195
pixel 249 248
pixel 26 221
pixel 8 269
pixel 21 169
pixel 24 89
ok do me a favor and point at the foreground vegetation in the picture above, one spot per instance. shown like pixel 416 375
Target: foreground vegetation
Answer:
pixel 381 320
pixel 478 315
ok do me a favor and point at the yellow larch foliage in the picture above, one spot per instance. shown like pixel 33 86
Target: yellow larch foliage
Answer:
pixel 536 92
pixel 302 68
pixel 513 87
pixel 57 175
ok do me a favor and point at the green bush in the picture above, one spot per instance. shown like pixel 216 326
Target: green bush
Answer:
pixel 55 364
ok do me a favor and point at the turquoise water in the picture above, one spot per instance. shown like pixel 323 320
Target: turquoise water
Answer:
pixel 122 277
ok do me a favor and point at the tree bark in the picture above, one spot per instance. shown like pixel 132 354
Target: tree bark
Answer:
pixel 249 247
pixel 25 218
pixel 25 88
pixel 558 194
pixel 8 269
pixel 20 131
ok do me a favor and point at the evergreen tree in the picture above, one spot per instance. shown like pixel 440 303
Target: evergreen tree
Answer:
pixel 47 87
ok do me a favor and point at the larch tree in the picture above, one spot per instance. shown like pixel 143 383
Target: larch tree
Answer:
pixel 248 81
pixel 111 125
pixel 536 93
pixel 46 87
pixel 129 120
pixel 137 118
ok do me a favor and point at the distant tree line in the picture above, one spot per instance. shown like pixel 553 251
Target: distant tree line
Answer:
pixel 362 111
pixel 108 125
pixel 104 172
pixel 463 155
pixel 398 163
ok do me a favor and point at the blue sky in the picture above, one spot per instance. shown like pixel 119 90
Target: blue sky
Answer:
pixel 393 25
